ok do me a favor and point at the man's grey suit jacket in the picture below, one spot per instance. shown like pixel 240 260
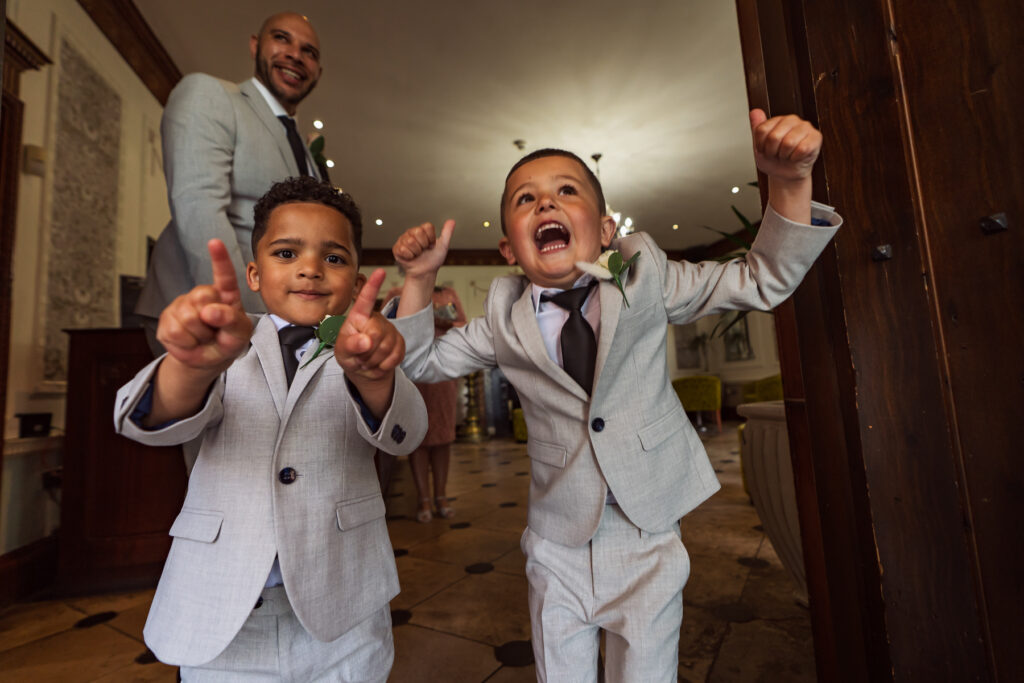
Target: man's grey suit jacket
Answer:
pixel 327 527
pixel 632 435
pixel 223 149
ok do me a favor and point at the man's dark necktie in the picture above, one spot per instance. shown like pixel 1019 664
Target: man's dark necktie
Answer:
pixel 292 338
pixel 579 346
pixel 298 149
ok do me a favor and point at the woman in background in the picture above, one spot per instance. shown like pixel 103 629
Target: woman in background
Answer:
pixel 435 451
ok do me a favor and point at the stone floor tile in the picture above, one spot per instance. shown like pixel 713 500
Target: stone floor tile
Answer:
pixel 31 621
pixel 764 651
pixel 489 608
pixel 701 634
pixel 131 621
pixel 111 602
pixel 512 562
pixel 141 673
pixel 515 674
pixel 714 580
pixel 463 547
pixel 421 579
pixel 427 656
pixel 505 519
pixel 75 655
pixel 694 670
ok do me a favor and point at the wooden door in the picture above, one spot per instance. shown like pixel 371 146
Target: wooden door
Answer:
pixel 899 352
pixel 119 497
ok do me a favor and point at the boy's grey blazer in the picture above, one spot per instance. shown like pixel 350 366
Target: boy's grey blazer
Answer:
pixel 633 433
pixel 327 527
pixel 223 149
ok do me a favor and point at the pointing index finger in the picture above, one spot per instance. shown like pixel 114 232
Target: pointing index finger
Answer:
pixel 224 279
pixel 362 308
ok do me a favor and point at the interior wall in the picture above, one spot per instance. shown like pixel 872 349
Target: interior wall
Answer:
pixel 141 210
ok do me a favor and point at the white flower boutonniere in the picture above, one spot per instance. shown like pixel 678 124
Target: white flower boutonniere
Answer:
pixel 610 266
pixel 327 334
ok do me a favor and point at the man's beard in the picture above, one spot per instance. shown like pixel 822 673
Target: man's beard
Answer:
pixel 263 69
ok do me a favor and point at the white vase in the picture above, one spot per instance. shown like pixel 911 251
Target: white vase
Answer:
pixel 769 474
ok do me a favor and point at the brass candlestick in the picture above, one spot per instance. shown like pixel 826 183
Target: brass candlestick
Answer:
pixel 471 430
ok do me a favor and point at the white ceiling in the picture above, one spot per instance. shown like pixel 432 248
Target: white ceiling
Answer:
pixel 422 102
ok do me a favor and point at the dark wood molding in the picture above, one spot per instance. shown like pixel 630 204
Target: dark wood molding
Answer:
pixel 123 24
pixel 20 54
pixel 28 571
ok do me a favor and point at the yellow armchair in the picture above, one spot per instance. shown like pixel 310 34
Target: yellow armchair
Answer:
pixel 700 393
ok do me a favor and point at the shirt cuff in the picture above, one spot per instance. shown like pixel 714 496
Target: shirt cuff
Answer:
pixel 142 410
pixel 371 422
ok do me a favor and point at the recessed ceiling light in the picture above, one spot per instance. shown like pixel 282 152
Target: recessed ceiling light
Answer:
pixel 330 164
pixel 735 190
pixel 379 222
pixel 318 124
pixel 675 226
pixel 487 224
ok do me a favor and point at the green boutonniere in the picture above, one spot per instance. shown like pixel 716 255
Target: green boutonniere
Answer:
pixel 327 334
pixel 316 149
pixel 610 266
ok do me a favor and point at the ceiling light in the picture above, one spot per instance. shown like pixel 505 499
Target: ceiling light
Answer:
pixel 379 222
pixel 330 164
pixel 487 224
pixel 629 222
pixel 735 190
pixel 318 124
pixel 675 226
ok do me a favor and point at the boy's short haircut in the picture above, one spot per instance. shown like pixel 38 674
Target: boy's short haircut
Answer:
pixel 305 189
pixel 551 152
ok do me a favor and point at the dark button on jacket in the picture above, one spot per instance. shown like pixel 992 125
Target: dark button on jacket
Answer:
pixel 287 475
pixel 597 424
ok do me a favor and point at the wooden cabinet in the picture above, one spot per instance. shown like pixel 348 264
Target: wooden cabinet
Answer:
pixel 119 497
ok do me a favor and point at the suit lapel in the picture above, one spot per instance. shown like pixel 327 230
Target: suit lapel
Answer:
pixel 272 124
pixel 524 321
pixel 305 373
pixel 611 307
pixel 268 349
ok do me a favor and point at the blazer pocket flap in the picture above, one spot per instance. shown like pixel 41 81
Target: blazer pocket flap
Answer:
pixel 197 526
pixel 547 453
pixel 653 435
pixel 358 512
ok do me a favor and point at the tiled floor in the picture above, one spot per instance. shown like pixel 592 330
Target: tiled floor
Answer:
pixel 462 613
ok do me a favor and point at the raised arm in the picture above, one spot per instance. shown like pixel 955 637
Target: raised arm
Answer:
pixel 421 253
pixel 203 332
pixel 785 149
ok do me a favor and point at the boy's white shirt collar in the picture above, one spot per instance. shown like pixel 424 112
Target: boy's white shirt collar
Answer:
pixel 538 290
pixel 551 316
pixel 272 102
pixel 280 322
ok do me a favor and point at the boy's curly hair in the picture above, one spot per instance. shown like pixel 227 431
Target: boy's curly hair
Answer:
pixel 305 189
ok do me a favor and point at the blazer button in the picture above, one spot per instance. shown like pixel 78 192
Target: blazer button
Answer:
pixel 287 475
pixel 597 424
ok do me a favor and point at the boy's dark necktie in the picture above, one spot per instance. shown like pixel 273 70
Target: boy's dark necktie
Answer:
pixel 292 338
pixel 579 346
pixel 298 149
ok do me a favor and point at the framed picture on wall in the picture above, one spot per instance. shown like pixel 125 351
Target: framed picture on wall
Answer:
pixel 689 347
pixel 737 342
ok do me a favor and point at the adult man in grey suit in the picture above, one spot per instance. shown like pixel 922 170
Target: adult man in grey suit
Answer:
pixel 224 145
pixel 614 461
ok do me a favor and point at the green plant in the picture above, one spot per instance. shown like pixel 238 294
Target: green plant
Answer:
pixel 727 320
